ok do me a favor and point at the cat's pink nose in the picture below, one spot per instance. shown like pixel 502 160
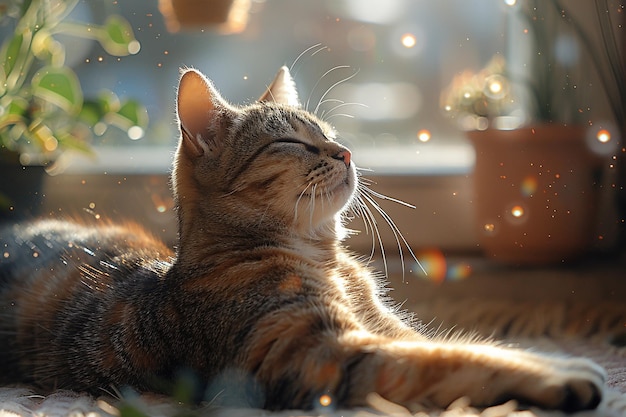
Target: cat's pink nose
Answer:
pixel 344 156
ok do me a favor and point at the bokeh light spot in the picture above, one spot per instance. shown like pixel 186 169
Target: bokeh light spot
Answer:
pixel 134 47
pixel 438 269
pixel 529 186
pixel 517 211
pixel 135 133
pixel 326 400
pixel 495 87
pixel 423 135
pixel 603 135
pixel 458 272
pixel 408 40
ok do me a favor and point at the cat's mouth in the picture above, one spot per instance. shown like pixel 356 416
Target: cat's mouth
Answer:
pixel 326 191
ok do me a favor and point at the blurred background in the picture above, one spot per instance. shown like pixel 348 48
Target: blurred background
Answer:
pixel 397 78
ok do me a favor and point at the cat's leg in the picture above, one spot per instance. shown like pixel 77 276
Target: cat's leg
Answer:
pixel 439 373
pixel 298 371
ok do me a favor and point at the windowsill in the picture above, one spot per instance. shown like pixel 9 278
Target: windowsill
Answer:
pixel 424 160
pixel 133 184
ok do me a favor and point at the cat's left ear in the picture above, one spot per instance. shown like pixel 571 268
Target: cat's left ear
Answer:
pixel 282 89
pixel 200 110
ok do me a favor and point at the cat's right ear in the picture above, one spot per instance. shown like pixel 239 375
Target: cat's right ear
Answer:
pixel 199 107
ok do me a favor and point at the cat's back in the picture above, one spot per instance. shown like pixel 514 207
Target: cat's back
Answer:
pixel 56 275
pixel 54 247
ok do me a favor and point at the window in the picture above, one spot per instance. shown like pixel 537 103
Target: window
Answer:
pixel 395 57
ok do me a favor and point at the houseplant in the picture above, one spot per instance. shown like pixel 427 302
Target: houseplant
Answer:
pixel 43 112
pixel 538 154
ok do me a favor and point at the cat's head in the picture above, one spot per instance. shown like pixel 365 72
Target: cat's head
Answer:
pixel 267 165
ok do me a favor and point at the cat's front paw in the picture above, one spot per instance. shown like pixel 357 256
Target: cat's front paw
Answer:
pixel 566 384
pixel 580 394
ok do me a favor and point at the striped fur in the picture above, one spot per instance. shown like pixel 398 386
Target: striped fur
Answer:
pixel 260 304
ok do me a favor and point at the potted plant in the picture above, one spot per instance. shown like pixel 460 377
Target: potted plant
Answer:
pixel 538 165
pixel 43 112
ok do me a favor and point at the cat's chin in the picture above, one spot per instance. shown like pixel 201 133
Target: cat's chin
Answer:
pixel 324 216
pixel 341 194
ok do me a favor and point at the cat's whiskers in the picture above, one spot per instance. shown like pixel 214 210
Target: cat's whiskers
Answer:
pixel 329 196
pixel 322 98
pixel 338 67
pixel 399 237
pixel 367 213
pixel 365 199
pixel 295 217
pixel 327 115
pixel 329 100
pixel 312 205
pixel 295 61
pixel 359 211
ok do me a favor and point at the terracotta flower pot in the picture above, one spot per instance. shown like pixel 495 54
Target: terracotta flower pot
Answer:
pixel 227 16
pixel 535 193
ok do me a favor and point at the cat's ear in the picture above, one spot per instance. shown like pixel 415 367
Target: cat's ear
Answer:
pixel 199 107
pixel 282 89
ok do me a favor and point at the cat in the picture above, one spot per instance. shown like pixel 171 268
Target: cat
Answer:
pixel 260 297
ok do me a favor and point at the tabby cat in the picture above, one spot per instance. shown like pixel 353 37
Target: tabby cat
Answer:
pixel 260 296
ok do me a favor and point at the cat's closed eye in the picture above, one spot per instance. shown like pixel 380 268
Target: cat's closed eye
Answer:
pixel 310 148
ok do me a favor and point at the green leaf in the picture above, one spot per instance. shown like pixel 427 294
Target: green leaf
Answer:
pixel 134 112
pixel 91 112
pixel 117 37
pixel 132 117
pixel 11 52
pixel 108 101
pixel 18 106
pixel 59 86
pixel 15 112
